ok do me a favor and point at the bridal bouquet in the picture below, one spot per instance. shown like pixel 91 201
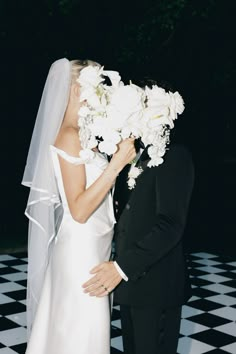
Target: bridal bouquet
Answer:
pixel 118 111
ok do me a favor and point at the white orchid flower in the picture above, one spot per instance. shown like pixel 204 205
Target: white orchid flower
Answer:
pixel 114 76
pixel 90 76
pixel 134 172
pixel 108 147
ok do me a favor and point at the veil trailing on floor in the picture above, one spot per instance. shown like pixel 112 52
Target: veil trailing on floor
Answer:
pixel 44 203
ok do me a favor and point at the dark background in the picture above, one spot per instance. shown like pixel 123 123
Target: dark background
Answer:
pixel 187 44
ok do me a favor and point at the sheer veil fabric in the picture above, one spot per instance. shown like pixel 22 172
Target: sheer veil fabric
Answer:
pixel 44 205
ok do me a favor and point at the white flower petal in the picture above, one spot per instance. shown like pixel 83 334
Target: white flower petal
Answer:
pixel 114 76
pixel 90 76
pixel 134 171
pixel 131 183
pixel 107 147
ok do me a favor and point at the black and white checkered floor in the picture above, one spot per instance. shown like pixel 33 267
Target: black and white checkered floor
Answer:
pixel 208 320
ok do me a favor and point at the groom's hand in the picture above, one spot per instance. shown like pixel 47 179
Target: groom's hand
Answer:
pixel 104 281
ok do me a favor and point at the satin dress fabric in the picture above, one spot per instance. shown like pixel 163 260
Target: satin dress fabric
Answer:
pixel 68 321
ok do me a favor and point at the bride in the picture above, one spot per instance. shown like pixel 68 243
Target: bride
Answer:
pixel 71 221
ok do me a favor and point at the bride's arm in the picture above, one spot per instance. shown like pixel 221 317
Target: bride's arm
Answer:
pixel 83 202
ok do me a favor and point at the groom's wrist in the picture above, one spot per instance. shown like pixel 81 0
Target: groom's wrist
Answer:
pixel 120 271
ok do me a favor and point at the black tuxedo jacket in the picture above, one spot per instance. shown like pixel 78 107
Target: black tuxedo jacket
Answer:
pixel 149 234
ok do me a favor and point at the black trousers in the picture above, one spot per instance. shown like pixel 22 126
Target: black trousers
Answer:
pixel 150 330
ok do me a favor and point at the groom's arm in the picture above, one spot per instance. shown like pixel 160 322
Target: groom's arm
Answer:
pixel 174 182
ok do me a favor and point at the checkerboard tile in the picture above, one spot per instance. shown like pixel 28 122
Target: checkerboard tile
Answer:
pixel 208 320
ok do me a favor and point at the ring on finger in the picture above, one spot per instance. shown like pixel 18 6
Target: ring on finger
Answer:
pixel 106 289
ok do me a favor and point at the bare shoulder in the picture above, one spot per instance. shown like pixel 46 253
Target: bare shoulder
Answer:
pixel 68 141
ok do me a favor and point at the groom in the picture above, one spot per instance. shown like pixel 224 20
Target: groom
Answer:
pixel 149 271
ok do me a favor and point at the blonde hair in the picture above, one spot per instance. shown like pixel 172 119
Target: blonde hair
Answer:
pixel 78 65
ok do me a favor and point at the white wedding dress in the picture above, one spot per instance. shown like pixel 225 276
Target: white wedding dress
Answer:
pixel 68 321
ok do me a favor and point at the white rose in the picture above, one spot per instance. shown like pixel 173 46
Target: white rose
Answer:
pixel 126 133
pixel 148 136
pixel 156 116
pixel 94 101
pixel 156 151
pixel 85 92
pixel 134 172
pixel 151 135
pixel 111 89
pixel 160 107
pixel 124 102
pixel 131 183
pixel 155 161
pixel 90 76
pixel 156 156
pixel 99 126
pixel 157 96
pixel 133 126
pixel 114 76
pixel 111 135
pixel 108 147
pixel 130 130
pixel 110 140
pixel 90 96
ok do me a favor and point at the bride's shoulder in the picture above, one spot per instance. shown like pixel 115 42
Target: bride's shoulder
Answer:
pixel 68 141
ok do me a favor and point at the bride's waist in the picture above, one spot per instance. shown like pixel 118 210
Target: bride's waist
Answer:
pixel 103 216
pixel 96 224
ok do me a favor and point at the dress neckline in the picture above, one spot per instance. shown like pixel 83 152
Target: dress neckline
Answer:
pixel 87 157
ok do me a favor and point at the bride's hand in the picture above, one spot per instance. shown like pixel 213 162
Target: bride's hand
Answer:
pixel 125 153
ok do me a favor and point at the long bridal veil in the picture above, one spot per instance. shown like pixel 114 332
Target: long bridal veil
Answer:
pixel 44 198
